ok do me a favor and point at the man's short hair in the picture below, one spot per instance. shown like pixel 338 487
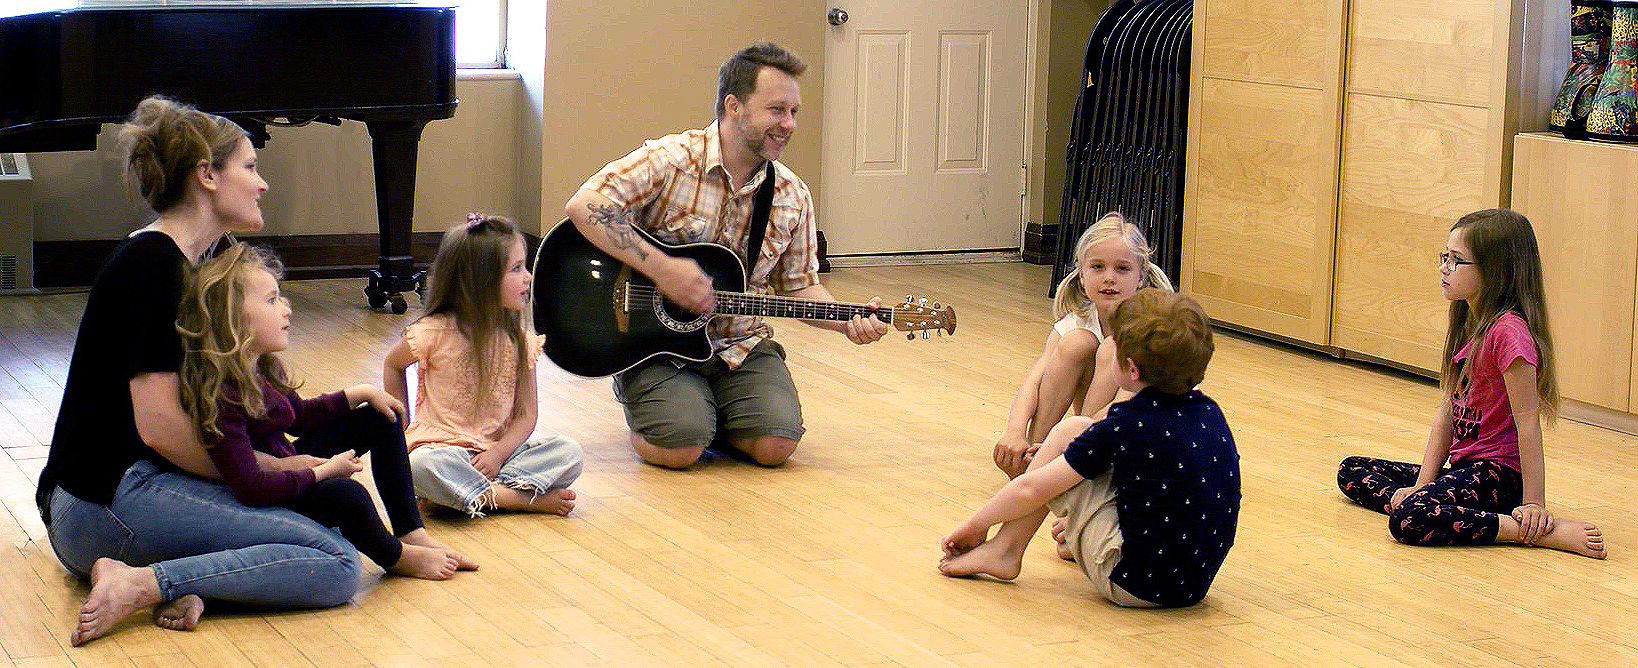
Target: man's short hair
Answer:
pixel 1167 335
pixel 737 76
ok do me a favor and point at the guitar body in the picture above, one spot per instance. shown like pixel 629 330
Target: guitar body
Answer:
pixel 597 319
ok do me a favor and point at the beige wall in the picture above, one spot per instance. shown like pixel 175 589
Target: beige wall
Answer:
pixel 526 49
pixel 618 73
pixel 1061 33
pixel 584 94
pixel 320 176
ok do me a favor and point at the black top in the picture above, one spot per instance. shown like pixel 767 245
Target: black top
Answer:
pixel 129 328
pixel 1177 490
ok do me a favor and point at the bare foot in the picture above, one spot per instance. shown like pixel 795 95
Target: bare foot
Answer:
pixel 1058 538
pixel 419 561
pixel 181 614
pixel 989 558
pixel 556 501
pixel 117 590
pixel 424 539
pixel 1575 536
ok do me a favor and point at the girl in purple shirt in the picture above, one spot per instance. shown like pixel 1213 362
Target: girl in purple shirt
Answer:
pixel 1498 382
pixel 232 320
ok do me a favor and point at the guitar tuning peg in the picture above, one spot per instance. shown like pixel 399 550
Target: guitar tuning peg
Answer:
pixel 910 298
pixel 937 306
pixel 924 335
pixel 910 337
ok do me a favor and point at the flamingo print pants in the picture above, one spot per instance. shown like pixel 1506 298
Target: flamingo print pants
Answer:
pixel 1460 507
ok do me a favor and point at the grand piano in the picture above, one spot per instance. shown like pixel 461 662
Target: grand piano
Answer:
pixel 64 73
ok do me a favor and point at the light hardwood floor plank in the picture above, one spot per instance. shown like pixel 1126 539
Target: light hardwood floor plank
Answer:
pixel 831 559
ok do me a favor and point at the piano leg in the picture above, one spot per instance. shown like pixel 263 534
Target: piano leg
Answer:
pixel 394 146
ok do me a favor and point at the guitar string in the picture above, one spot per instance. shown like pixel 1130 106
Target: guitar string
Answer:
pixel 832 310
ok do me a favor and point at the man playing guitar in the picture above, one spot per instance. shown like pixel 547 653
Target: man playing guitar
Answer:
pixel 699 185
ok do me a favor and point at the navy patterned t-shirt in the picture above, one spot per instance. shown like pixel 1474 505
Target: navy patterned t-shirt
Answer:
pixel 1177 490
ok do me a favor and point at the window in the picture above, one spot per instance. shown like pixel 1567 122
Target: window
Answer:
pixel 480 31
pixel 480 25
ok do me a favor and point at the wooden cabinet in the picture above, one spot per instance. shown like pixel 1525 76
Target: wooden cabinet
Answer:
pixel 1260 187
pixel 1319 191
pixel 1580 198
pixel 1426 123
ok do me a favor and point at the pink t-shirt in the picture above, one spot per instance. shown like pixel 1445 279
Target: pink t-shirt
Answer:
pixel 450 408
pixel 1481 417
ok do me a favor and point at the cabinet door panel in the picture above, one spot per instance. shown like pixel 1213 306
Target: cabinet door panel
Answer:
pixel 1424 49
pixel 1589 258
pixel 1409 170
pixel 1294 43
pixel 1260 236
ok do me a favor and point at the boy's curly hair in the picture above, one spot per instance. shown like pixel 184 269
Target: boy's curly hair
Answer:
pixel 1167 335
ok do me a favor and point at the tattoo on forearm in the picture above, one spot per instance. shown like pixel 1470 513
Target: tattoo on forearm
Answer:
pixel 620 227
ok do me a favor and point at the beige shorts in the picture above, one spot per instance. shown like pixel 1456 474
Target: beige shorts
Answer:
pixel 1092 534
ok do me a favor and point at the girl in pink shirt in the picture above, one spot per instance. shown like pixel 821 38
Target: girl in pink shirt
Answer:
pixel 471 440
pixel 1498 382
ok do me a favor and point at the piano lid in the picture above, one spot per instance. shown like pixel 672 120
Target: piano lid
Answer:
pixel 92 65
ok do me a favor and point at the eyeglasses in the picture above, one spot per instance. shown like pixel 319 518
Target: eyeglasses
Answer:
pixel 1448 261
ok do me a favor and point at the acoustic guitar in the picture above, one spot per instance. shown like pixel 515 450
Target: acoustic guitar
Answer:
pixel 601 317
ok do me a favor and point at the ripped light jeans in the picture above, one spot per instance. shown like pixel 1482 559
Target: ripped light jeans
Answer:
pixel 444 474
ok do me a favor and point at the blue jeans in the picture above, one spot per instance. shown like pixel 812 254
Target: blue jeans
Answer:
pixel 444 474
pixel 198 539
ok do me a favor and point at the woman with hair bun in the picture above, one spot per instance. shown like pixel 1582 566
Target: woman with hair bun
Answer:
pixel 128 493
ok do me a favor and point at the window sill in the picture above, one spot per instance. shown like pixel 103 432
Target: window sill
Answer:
pixel 486 74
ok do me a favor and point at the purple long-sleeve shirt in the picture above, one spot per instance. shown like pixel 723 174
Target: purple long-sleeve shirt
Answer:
pixel 242 436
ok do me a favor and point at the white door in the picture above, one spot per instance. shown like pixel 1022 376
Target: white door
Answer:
pixel 924 126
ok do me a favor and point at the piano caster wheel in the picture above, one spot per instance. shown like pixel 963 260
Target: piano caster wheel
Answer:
pixel 386 291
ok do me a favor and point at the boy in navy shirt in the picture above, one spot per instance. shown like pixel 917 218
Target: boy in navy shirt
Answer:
pixel 1149 494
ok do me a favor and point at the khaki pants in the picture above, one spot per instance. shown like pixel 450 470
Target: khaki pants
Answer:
pixel 1092 534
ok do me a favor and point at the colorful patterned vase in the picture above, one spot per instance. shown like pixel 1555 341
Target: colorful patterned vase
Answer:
pixel 1613 114
pixel 1589 57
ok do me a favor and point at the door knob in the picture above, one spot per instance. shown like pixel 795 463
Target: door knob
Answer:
pixel 837 16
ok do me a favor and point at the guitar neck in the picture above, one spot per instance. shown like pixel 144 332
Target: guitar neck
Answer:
pixel 772 306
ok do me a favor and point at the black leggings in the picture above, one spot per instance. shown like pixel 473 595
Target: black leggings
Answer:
pixel 343 503
pixel 1460 507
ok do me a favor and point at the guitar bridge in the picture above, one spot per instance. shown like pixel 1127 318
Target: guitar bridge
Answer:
pixel 621 298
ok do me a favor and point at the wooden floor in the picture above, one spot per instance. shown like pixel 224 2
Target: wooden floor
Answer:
pixel 830 560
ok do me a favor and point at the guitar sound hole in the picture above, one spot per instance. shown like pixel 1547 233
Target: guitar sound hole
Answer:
pixel 675 318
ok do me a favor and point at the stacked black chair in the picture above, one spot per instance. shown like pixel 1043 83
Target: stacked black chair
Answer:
pixel 1126 141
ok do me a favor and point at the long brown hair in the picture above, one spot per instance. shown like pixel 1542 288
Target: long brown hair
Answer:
pixel 217 363
pixel 465 283
pixel 1509 263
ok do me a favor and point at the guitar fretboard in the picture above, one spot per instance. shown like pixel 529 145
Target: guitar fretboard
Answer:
pixel 774 306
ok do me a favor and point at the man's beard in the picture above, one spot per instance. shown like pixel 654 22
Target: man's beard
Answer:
pixel 756 143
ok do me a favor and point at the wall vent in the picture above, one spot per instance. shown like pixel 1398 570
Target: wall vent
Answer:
pixel 16 224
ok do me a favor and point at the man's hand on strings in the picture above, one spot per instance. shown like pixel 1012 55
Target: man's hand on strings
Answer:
pixel 863 330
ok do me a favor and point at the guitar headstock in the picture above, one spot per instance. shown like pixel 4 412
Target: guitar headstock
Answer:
pixel 923 315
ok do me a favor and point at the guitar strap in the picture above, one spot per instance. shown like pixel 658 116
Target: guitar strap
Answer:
pixel 761 207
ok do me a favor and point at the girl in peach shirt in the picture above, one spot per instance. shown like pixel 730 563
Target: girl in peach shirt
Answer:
pixel 471 439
